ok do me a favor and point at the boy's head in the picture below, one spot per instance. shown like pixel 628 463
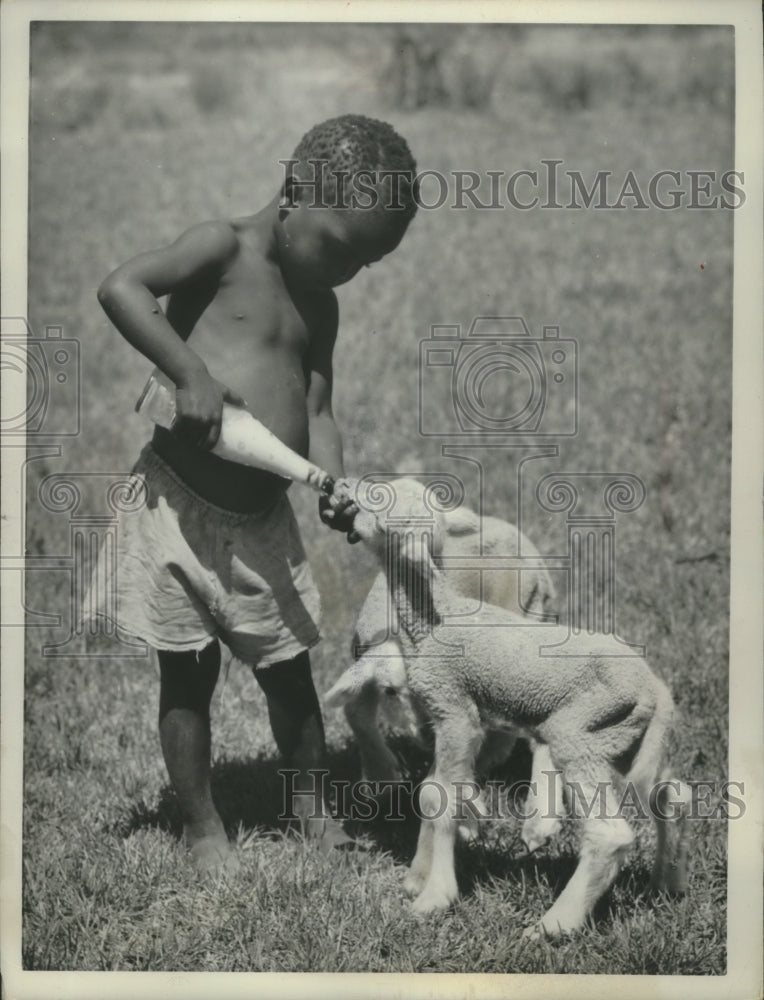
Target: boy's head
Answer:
pixel 354 161
pixel 348 197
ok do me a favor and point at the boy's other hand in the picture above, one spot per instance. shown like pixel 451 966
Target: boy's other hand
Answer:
pixel 199 409
pixel 339 510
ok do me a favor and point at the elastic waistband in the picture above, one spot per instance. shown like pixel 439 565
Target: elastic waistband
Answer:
pixel 151 461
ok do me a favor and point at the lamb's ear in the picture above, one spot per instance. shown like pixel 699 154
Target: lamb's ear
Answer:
pixel 349 684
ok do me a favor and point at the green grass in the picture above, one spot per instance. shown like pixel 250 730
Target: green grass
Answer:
pixel 167 144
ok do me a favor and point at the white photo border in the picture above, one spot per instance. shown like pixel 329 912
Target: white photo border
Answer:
pixel 743 978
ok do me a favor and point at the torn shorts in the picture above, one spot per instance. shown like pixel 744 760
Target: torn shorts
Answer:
pixel 187 571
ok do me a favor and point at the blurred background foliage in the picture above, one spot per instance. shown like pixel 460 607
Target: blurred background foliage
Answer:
pixel 414 65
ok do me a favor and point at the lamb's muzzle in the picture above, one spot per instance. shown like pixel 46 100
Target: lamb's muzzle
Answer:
pixel 603 717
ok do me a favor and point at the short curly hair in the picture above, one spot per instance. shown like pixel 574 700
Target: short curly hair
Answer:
pixel 353 144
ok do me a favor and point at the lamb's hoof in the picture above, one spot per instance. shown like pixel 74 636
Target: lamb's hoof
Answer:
pixel 552 927
pixel 537 833
pixel 542 932
pixel 534 933
pixel 413 883
pixel 432 900
pixel 327 834
pixel 467 832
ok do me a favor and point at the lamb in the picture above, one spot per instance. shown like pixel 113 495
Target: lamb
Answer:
pixel 603 717
pixel 376 687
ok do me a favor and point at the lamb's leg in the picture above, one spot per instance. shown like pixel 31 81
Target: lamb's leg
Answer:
pixel 430 805
pixel 378 763
pixel 545 806
pixel 419 871
pixel 457 741
pixel 440 888
pixel 670 807
pixel 604 843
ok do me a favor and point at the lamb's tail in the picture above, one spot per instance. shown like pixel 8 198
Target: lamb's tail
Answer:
pixel 648 763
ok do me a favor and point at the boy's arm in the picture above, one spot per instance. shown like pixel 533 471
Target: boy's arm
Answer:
pixel 129 298
pixel 325 437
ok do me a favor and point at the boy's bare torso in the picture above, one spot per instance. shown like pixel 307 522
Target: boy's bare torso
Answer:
pixel 255 335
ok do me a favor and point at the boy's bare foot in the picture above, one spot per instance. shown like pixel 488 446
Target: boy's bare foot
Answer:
pixel 212 854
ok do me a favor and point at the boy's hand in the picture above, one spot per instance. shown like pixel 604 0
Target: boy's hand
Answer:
pixel 339 510
pixel 199 409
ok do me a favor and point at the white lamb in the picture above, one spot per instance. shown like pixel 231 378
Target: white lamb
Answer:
pixel 604 718
pixel 374 691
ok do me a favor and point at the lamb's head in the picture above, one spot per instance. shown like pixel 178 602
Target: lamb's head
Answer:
pixel 374 694
pixel 398 509
pixel 379 681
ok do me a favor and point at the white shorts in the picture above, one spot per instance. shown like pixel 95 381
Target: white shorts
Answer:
pixel 187 571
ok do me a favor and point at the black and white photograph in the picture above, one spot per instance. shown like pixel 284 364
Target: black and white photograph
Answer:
pixel 381 543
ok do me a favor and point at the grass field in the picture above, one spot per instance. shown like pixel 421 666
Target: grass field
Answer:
pixel 137 134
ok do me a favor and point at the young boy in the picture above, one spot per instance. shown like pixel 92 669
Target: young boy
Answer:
pixel 215 555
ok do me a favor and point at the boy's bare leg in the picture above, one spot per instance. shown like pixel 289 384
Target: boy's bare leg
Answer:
pixel 187 684
pixel 295 717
